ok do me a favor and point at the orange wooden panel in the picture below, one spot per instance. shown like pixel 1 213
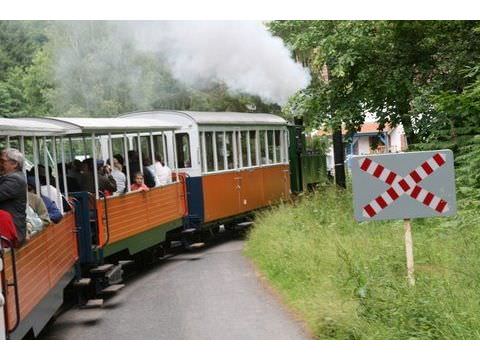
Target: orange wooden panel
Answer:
pixel 276 183
pixel 251 190
pixel 134 213
pixel 41 262
pixel 236 192
pixel 221 195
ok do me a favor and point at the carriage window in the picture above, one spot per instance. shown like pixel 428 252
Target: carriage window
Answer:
pixel 146 150
pixel 209 151
pixel 159 145
pixel 253 147
pixel 244 147
pixel 278 154
pixel 220 154
pixel 229 145
pixel 282 147
pixel 183 150
pixel 117 145
pixel 263 153
pixel 270 146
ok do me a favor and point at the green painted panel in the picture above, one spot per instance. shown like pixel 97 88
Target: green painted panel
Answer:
pixel 144 240
pixel 314 168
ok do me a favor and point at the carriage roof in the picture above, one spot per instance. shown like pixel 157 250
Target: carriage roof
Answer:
pixel 210 118
pixel 29 127
pixel 114 125
pixel 53 126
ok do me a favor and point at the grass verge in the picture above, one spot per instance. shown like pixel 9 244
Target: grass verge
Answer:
pixel 348 279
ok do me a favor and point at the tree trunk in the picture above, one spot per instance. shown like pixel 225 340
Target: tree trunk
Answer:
pixel 338 157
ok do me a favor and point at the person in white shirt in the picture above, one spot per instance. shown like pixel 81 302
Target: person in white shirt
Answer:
pixel 49 191
pixel 163 174
pixel 119 176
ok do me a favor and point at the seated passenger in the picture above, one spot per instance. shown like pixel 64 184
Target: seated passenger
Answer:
pixel 33 223
pixel 138 183
pixel 8 229
pixel 49 191
pixel 13 197
pixel 119 176
pixel 72 183
pixel 53 213
pixel 36 203
pixel 148 173
pixel 106 182
pixel 163 174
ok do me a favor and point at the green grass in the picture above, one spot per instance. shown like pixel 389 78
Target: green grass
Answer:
pixel 348 279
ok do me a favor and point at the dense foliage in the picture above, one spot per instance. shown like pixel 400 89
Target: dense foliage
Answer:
pixel 424 75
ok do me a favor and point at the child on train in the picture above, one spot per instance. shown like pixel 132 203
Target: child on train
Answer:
pixel 138 183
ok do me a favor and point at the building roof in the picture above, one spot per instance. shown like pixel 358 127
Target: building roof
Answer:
pixel 369 128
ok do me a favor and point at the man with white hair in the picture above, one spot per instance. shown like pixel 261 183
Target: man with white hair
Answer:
pixel 13 194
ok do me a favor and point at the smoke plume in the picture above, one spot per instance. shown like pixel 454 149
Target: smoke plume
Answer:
pixel 242 54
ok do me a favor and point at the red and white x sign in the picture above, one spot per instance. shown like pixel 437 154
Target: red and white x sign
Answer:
pixel 404 185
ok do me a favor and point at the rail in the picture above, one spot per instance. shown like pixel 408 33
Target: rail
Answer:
pixel 14 284
pixel 106 217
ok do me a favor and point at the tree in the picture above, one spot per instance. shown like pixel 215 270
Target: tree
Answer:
pixel 387 68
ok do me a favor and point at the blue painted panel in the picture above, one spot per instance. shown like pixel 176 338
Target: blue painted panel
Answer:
pixel 195 216
pixel 82 221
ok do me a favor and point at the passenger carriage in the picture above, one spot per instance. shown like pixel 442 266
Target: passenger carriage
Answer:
pixel 234 162
pixel 133 221
pixel 34 276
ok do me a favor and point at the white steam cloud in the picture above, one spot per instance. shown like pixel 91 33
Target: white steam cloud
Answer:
pixel 242 54
pixel 112 67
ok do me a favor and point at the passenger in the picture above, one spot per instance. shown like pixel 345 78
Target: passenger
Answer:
pixel 149 174
pixel 7 229
pixel 36 203
pixel 138 183
pixel 75 171
pixel 49 191
pixel 13 195
pixel 72 183
pixel 34 223
pixel 133 163
pixel 119 176
pixel 106 182
pixel 53 212
pixel 163 174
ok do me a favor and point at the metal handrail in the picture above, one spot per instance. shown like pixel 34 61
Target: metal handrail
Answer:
pixel 106 216
pixel 14 284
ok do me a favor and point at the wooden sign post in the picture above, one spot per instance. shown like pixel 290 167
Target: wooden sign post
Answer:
pixel 409 251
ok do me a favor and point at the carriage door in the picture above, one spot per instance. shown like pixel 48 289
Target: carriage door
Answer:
pixel 2 303
pixel 238 178
pixel 282 137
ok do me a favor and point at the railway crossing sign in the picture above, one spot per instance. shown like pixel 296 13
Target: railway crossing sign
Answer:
pixel 403 186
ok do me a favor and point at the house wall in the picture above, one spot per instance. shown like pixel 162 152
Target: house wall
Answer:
pixel 396 136
pixel 363 145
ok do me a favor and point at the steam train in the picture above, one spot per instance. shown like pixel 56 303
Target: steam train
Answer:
pixel 224 166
